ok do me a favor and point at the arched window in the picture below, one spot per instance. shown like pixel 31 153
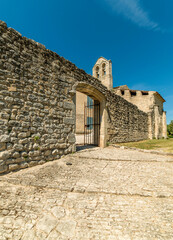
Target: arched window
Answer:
pixel 97 72
pixel 103 69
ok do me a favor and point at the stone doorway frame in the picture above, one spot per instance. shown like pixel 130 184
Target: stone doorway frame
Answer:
pixel 96 95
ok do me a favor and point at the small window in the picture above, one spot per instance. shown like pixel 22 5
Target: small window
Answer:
pixel 133 93
pixel 104 69
pixel 144 93
pixel 122 92
pixel 97 72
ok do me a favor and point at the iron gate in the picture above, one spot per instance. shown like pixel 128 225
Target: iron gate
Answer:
pixel 92 124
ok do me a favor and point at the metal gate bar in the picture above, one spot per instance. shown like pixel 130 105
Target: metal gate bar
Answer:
pixel 92 124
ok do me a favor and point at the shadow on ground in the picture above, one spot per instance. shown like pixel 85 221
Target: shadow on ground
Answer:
pixel 85 147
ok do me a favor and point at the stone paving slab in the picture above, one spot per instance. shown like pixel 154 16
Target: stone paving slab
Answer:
pixel 113 153
pixel 90 199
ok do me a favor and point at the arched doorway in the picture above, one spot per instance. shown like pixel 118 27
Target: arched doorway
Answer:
pixel 90 116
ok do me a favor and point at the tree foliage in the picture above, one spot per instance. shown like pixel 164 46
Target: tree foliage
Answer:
pixel 170 129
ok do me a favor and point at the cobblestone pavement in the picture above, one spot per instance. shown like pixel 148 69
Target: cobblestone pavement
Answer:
pixel 108 194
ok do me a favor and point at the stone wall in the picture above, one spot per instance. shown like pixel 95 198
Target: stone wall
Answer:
pixel 126 122
pixel 37 117
pixel 150 102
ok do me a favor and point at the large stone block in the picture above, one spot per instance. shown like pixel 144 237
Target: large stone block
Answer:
pixel 3 168
pixel 2 146
pixel 16 155
pixel 47 153
pixel 4 138
pixel 61 145
pixel 69 121
pixel 68 105
pixel 23 165
pixel 13 167
pixel 18 147
pixel 71 138
pixel 22 135
pixel 4 155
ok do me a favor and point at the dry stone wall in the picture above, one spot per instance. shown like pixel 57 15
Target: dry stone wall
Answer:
pixel 126 122
pixel 37 116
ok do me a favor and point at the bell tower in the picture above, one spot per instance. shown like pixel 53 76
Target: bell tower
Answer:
pixel 103 71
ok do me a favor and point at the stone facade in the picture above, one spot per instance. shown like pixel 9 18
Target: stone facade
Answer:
pixel 37 100
pixel 150 102
pixel 81 100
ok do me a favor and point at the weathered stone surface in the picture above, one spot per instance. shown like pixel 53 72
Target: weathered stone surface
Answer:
pixel 4 155
pixel 16 155
pixel 61 145
pixel 9 146
pixel 67 130
pixel 22 135
pixel 55 152
pixel 46 224
pixel 24 165
pixel 47 153
pixel 36 146
pixel 4 138
pixel 13 167
pixel 58 212
pixel 51 141
pixel 24 154
pixel 3 168
pixel 18 147
pixel 71 138
pixel 24 141
pixel 2 146
pixel 68 105
pixel 69 121
pixel 32 163
pixel 67 228
pixel 104 194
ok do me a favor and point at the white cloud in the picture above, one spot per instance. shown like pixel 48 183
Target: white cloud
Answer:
pixel 133 10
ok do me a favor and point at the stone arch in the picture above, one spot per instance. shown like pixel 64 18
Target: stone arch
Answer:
pixel 96 95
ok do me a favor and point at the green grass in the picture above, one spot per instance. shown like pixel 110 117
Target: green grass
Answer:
pixel 165 145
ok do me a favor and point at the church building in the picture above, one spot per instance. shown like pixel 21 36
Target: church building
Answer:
pixel 150 102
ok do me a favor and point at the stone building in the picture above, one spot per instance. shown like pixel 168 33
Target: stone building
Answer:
pixel 150 102
pixel 39 105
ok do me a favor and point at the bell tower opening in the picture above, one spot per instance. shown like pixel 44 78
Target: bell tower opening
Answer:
pixel 97 72
pixel 104 69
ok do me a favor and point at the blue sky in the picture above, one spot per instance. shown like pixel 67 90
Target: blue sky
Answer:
pixel 137 35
